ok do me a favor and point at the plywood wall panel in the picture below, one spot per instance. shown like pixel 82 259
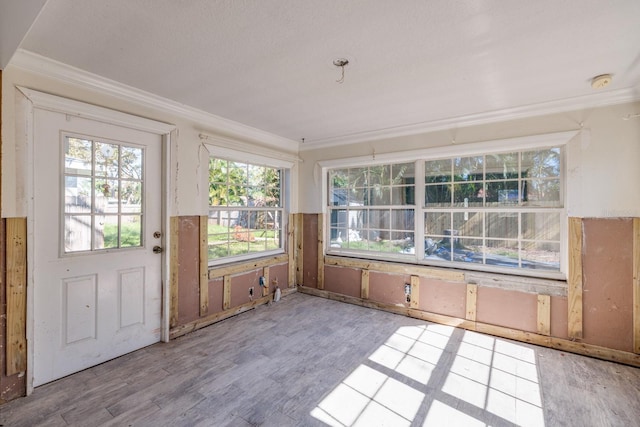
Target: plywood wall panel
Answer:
pixel 188 269
pixel 216 294
pixel 511 309
pixel 342 280
pixel 278 276
pixel 442 297
pixel 388 288
pixel 559 317
pixel 240 285
pixel 310 250
pixel 608 278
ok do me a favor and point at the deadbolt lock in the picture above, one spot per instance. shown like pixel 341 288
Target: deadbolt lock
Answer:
pixel 157 234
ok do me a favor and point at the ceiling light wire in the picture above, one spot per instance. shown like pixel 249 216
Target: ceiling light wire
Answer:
pixel 341 62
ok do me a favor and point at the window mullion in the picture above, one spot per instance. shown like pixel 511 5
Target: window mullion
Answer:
pixel 419 210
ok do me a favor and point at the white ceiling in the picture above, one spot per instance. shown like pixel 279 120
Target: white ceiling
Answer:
pixel 268 63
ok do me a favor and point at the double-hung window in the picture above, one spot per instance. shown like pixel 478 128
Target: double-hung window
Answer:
pixel 246 210
pixel 500 211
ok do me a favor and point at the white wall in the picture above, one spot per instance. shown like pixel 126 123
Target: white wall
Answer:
pixel 603 160
pixel 189 155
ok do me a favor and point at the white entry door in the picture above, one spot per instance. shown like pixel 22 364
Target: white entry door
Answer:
pixel 96 220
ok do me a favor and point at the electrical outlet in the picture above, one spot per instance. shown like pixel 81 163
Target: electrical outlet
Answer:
pixel 407 289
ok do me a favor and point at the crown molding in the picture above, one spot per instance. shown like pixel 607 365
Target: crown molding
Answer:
pixel 46 67
pixel 613 97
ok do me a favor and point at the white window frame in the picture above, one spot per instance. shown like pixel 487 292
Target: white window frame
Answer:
pixel 533 142
pixel 238 151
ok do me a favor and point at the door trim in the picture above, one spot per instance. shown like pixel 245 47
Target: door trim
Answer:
pixel 32 100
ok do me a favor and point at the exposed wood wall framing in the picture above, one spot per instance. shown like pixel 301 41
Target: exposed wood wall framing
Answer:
pixel 544 315
pixel 472 298
pixel 364 285
pixel 291 250
pixel 243 267
pixel 636 285
pixel 16 286
pixel 320 278
pixel 204 265
pixel 388 267
pixel 575 278
pixel 265 275
pixel 299 225
pixel 500 331
pixel 174 265
pixel 415 292
pixel 226 293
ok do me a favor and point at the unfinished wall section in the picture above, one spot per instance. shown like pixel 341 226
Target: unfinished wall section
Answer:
pixel 526 309
pixel 202 295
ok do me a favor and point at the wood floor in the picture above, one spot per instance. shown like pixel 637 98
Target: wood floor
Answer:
pixel 307 361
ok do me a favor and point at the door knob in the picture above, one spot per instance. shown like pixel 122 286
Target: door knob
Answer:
pixel 157 249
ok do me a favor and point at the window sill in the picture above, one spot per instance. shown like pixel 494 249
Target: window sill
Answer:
pixel 241 266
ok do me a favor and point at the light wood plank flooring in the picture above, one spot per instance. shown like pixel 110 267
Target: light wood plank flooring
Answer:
pixel 307 361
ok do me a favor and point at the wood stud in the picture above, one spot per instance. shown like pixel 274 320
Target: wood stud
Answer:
pixel 364 284
pixel 265 275
pixel 388 267
pixel 299 220
pixel 291 251
pixel 636 285
pixel 320 277
pixel 16 296
pixel 174 273
pixel 544 315
pixel 243 267
pixel 204 265
pixel 226 297
pixel 575 279
pixel 472 298
pixel 415 292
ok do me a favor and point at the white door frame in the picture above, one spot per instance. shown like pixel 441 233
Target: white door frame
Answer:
pixel 40 100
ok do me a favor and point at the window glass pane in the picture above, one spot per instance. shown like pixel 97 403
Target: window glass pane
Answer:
pixel 540 255
pixel 77 233
pixel 272 196
pixel 438 195
pixel 468 194
pixel 106 232
pixel 77 192
pixel 403 173
pixel 107 159
pixel 77 156
pixel 218 171
pixel 357 177
pixel 502 193
pixel 256 175
pixel 436 222
pixel 339 178
pixel 339 197
pixel 131 196
pixel 468 224
pixel 502 225
pixel 106 196
pixel 402 219
pixel 379 218
pixel 379 196
pixel 541 192
pixel 541 163
pixel 438 171
pixel 236 196
pixel 130 231
pixel 131 162
pixel 379 175
pixel 403 195
pixel 467 168
pixel 218 195
pixel 501 166
pixel 502 253
pixel 541 226
pixel 339 219
pixel 359 196
pixel 218 243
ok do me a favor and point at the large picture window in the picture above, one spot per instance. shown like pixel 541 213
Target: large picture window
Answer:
pixel 497 212
pixel 246 210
